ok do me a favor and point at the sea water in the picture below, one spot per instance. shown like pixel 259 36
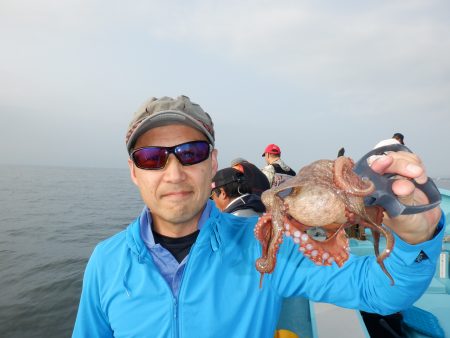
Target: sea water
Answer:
pixel 50 220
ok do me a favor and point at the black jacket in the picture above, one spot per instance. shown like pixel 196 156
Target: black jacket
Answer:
pixel 249 201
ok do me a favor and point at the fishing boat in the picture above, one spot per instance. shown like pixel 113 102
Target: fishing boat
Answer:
pixel 429 317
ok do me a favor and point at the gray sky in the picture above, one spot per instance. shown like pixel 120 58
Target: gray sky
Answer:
pixel 310 76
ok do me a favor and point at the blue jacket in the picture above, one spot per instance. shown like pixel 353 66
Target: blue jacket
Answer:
pixel 124 294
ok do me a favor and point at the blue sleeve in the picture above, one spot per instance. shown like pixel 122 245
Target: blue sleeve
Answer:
pixel 360 283
pixel 91 320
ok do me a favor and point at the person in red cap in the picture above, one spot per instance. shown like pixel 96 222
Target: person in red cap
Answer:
pixel 276 170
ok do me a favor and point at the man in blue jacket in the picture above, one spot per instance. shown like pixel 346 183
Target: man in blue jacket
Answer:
pixel 184 269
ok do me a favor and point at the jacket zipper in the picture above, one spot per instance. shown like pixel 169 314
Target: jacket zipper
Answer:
pixel 175 323
pixel 175 317
pixel 176 301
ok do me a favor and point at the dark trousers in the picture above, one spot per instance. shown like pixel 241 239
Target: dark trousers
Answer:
pixel 379 326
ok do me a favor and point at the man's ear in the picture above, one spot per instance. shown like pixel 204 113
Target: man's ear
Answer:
pixel 222 195
pixel 214 162
pixel 132 171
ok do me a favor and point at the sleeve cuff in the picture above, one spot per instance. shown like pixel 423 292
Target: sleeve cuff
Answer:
pixel 431 248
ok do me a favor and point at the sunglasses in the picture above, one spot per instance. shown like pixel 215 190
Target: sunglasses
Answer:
pixel 154 158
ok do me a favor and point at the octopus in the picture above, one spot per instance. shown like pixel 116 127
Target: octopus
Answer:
pixel 326 194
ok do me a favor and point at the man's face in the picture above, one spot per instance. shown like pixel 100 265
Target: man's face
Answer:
pixel 176 194
pixel 220 200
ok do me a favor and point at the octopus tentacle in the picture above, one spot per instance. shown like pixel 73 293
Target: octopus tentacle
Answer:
pixel 347 180
pixel 376 231
pixel 270 236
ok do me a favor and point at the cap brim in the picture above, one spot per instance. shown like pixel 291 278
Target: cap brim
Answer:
pixel 226 176
pixel 165 118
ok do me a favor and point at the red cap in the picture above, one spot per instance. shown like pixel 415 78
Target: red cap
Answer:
pixel 272 149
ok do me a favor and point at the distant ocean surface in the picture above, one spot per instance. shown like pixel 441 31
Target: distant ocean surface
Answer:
pixel 50 220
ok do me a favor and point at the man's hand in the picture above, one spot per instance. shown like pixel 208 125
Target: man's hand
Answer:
pixel 416 228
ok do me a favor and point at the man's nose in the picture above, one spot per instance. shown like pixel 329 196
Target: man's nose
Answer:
pixel 174 170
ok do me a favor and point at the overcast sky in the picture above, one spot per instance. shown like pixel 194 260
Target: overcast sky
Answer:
pixel 310 76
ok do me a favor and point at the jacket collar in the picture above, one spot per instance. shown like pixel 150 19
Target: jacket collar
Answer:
pixel 208 223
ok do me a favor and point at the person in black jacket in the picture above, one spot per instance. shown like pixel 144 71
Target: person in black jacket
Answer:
pixel 256 180
pixel 231 193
